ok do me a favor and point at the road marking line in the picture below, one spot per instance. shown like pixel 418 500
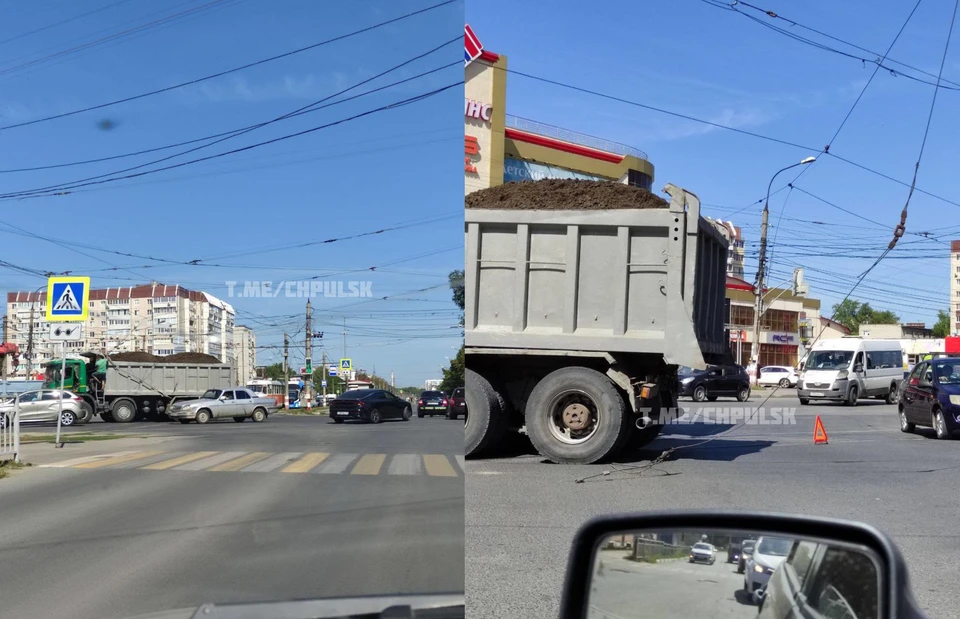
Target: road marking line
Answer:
pixel 337 464
pixel 273 462
pixel 75 461
pixel 460 462
pixel 369 464
pixel 117 460
pixel 242 461
pixel 136 464
pixel 304 464
pixel 169 464
pixel 438 466
pixel 200 465
pixel 405 464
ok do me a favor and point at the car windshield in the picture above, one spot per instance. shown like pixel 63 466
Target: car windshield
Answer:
pixel 702 547
pixel 687 371
pixel 829 360
pixel 947 371
pixel 211 394
pixel 431 394
pixel 774 546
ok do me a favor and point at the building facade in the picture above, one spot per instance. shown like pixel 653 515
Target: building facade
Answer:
pixel 501 148
pixel 954 287
pixel 735 254
pixel 155 318
pixel 245 346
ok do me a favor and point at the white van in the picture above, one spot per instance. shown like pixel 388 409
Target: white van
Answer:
pixel 850 368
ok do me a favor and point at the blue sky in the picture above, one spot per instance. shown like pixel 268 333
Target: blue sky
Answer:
pixel 690 57
pixel 397 167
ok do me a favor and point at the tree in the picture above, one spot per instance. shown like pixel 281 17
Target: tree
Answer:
pixel 274 372
pixel 942 326
pixel 852 314
pixel 459 294
pixel 453 377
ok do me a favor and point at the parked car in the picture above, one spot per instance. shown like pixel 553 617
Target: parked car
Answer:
pixel 457 403
pixel 703 553
pixel 931 397
pixel 767 556
pixel 746 550
pixel 238 404
pixel 43 405
pixel 781 375
pixel 371 405
pixel 432 403
pixel 715 381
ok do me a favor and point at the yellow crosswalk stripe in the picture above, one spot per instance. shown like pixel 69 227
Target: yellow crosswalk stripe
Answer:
pixel 117 460
pixel 438 466
pixel 304 464
pixel 169 464
pixel 369 465
pixel 242 461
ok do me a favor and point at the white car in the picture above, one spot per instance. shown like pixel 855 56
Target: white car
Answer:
pixel 782 375
pixel 768 554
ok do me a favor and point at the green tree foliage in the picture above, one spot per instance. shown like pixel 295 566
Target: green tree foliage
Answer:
pixel 453 376
pixel 852 314
pixel 942 326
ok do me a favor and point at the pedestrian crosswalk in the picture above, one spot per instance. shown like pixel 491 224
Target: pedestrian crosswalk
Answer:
pixel 320 463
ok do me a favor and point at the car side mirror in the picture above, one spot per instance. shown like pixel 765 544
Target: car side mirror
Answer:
pixel 619 563
pixel 858 368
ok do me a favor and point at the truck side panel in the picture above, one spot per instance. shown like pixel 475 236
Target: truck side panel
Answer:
pixel 171 379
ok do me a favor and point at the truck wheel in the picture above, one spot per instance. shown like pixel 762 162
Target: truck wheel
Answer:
pixel 107 417
pixel 203 416
pixel 87 413
pixel 124 411
pixel 259 415
pixel 485 424
pixel 576 415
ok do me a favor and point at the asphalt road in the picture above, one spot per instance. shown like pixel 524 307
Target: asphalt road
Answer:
pixel 296 507
pixel 624 589
pixel 522 513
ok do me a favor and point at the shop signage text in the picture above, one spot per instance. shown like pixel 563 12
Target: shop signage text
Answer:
pixel 476 109
pixel 471 147
pixel 783 338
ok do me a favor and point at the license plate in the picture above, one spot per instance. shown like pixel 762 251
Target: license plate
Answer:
pixel 816 394
pixel 343 413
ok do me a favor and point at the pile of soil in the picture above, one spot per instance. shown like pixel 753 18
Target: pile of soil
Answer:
pixel 180 357
pixel 563 194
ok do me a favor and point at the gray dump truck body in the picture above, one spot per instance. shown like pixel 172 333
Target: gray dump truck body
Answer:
pixel 576 322
pixel 627 281
pixel 173 380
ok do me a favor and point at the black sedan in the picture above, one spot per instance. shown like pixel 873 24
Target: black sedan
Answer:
pixel 432 403
pixel 713 382
pixel 371 405
pixel 931 397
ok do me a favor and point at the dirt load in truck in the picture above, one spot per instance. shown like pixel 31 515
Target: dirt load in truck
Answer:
pixel 582 300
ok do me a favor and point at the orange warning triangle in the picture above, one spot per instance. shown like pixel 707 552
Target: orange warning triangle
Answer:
pixel 819 433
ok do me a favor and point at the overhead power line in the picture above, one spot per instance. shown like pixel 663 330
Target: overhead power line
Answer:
pixel 62 22
pixel 228 71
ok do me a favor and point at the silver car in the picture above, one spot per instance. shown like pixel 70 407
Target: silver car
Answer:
pixel 43 405
pixel 238 404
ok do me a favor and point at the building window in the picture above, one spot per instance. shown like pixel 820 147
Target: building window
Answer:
pixel 741 315
pixel 779 321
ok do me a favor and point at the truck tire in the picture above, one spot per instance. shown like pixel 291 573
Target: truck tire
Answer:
pixel 87 415
pixel 123 411
pixel 576 415
pixel 107 417
pixel 486 424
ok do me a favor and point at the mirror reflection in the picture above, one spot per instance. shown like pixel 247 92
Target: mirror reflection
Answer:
pixel 732 574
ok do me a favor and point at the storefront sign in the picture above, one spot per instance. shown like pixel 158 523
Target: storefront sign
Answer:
pixel 476 109
pixel 783 338
pixel 518 170
pixel 471 148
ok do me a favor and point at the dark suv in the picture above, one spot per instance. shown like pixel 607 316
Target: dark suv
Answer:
pixel 715 381
pixel 458 404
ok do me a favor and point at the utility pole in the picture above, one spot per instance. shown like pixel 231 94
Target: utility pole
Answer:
pixel 323 369
pixel 308 354
pixel 344 337
pixel 286 371
pixel 3 358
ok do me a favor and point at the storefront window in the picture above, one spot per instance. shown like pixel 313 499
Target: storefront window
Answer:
pixel 779 321
pixel 775 354
pixel 741 315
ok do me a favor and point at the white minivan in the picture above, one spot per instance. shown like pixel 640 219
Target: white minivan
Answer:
pixel 849 368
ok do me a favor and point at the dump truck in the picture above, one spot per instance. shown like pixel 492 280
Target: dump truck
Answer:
pixel 132 390
pixel 578 313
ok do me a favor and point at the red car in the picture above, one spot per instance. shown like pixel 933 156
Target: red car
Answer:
pixel 458 404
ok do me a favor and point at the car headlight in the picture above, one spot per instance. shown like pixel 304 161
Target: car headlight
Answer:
pixel 686 380
pixel 955 399
pixel 803 375
pixel 842 374
pixel 758 568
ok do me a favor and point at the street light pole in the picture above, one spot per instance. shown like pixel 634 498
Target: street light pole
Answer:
pixel 761 266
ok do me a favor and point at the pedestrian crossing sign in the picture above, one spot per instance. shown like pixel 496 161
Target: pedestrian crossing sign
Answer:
pixel 346 364
pixel 68 299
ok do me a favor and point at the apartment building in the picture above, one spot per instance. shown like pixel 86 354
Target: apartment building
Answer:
pixel 245 345
pixel 954 287
pixel 155 318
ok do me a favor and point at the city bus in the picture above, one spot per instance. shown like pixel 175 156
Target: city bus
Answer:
pixel 293 392
pixel 267 389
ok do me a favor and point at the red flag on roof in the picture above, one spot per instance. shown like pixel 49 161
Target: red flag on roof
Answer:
pixel 471 45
